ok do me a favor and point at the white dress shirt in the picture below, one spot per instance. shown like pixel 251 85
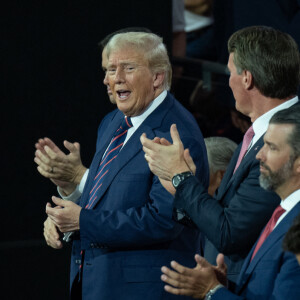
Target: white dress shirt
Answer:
pixel 260 125
pixel 288 204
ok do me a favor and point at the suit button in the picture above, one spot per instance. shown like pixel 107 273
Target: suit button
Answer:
pixel 92 245
pixel 78 261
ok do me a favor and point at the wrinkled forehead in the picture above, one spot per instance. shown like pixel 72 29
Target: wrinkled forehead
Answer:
pixel 127 55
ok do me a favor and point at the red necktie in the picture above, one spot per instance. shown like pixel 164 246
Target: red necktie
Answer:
pixel 246 142
pixel 111 153
pixel 269 228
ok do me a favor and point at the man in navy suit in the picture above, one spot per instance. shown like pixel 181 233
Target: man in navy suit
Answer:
pixel 268 271
pixel 66 171
pixel 264 77
pixel 121 242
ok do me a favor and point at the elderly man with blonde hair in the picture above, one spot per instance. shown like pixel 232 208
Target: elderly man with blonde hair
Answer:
pixel 123 226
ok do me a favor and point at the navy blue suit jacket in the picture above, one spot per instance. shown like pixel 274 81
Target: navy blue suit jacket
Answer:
pixel 130 234
pixel 273 273
pixel 234 218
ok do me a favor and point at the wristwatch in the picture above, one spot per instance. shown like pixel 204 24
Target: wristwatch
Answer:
pixel 212 291
pixel 178 178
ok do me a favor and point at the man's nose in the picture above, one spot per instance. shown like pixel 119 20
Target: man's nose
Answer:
pixel 105 80
pixel 260 154
pixel 119 76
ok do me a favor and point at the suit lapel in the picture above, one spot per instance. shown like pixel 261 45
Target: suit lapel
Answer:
pixel 275 235
pixel 225 184
pixel 229 177
pixel 132 147
pixel 251 155
pixel 104 141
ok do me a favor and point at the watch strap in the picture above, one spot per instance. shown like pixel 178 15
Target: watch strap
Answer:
pixel 212 291
pixel 180 177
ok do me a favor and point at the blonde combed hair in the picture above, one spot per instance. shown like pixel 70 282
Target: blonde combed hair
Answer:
pixel 152 47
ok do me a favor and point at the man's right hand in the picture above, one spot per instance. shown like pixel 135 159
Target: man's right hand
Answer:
pixel 64 170
pixel 51 234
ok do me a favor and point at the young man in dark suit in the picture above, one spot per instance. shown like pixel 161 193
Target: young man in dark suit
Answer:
pixel 268 272
pixel 264 77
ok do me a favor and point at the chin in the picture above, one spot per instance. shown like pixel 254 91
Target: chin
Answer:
pixel 112 99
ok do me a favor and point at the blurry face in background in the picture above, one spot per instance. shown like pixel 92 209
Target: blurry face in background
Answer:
pixel 215 179
pixel 105 80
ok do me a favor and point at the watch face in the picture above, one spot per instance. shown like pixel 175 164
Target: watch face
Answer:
pixel 176 180
pixel 180 177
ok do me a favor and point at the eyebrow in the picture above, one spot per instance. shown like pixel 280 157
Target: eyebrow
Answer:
pixel 124 63
pixel 270 143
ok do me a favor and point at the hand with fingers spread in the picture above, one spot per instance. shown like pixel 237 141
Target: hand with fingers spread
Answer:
pixel 65 215
pixel 51 234
pixel 194 282
pixel 65 170
pixel 167 160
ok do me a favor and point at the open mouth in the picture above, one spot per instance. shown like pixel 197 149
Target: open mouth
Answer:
pixel 123 94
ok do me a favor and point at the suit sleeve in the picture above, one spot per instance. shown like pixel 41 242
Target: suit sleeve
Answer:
pixel 287 281
pixel 148 223
pixel 286 284
pixel 233 225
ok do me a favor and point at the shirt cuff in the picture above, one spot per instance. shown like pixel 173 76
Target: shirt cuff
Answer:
pixel 83 181
pixel 74 197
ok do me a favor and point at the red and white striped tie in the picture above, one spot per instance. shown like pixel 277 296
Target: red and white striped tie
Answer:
pixel 111 153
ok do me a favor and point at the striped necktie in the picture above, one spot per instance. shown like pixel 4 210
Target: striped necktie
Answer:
pixel 111 153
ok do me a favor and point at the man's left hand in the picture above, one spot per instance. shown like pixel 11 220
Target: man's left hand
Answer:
pixel 194 282
pixel 67 217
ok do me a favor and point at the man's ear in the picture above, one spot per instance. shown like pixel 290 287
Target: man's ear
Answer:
pixel 297 166
pixel 158 80
pixel 247 79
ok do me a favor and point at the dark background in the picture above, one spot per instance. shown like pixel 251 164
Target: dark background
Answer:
pixel 52 85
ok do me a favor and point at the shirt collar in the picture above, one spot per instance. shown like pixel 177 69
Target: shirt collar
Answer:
pixel 289 202
pixel 138 120
pixel 260 125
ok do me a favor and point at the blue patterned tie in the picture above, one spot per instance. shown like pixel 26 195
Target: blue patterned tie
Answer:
pixel 111 153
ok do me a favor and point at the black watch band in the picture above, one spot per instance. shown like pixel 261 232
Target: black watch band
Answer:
pixel 178 178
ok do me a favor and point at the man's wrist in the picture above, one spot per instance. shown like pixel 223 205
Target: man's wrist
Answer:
pixel 79 175
pixel 68 189
pixel 213 291
pixel 180 177
pixel 74 196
